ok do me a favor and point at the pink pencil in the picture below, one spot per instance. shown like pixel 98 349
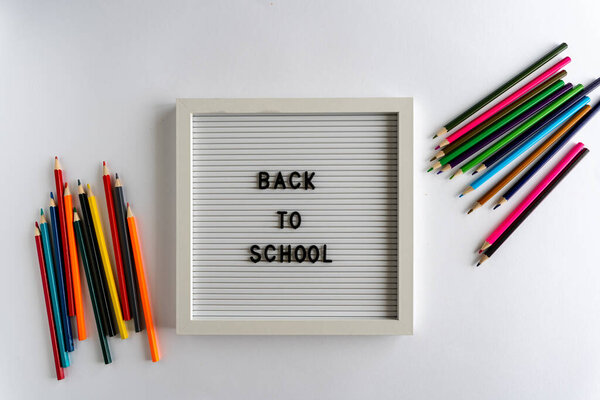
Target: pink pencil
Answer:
pixel 506 102
pixel 531 196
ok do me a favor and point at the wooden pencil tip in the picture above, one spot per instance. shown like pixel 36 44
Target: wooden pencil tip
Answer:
pixel 104 168
pixel 441 132
pixel 481 168
pixel 56 163
pixel 447 167
pixel 468 190
pixel 482 260
pixel 485 245
pixel 129 212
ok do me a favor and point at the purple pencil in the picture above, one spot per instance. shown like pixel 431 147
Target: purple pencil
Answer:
pixel 506 129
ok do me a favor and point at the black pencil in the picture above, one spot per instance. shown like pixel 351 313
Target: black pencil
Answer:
pixel 83 254
pixel 130 276
pixel 96 262
pixel 536 202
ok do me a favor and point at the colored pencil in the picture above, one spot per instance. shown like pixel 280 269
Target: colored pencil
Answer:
pixel 500 90
pixel 74 264
pixel 523 122
pixel 145 296
pixel 531 196
pixel 53 287
pixel 93 296
pixel 509 147
pixel 60 373
pixel 546 157
pixel 447 148
pixel 60 275
pixel 112 287
pixel 508 123
pixel 64 245
pixel 127 255
pixel 96 263
pixel 510 99
pixel 539 135
pixel 110 206
pixel 529 126
pixel 564 129
pixel 538 200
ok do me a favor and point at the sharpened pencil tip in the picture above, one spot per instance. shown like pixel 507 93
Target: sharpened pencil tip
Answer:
pixel 78 182
pixel 432 158
pixel 480 251
pixel 41 211
pixel 103 163
pixel 56 157
pixel 496 206
pixel 451 176
pixel 430 169
pixel 437 147
pixel 116 176
pixel 51 195
pixel 439 172
pixel 474 172
pixel 460 195
pixel 470 211
pixel 478 264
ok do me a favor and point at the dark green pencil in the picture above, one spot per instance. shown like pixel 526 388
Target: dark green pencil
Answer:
pixel 499 91
pixel 88 275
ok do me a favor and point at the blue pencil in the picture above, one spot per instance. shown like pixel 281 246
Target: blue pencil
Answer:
pixel 60 274
pixel 44 233
pixel 552 125
pixel 491 160
pixel 547 156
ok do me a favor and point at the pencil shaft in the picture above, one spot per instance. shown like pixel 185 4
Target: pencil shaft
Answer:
pixel 97 268
pixel 60 373
pixel 555 114
pixel 64 244
pixel 522 122
pixel 145 296
pixel 504 87
pixel 93 296
pixel 60 273
pixel 550 153
pixel 508 110
pixel 512 120
pixel 74 265
pixel 534 193
pixel 531 123
pixel 551 126
pixel 124 300
pixel 538 200
pixel 562 132
pixel 54 298
pixel 509 100
pixel 112 287
pixel 127 257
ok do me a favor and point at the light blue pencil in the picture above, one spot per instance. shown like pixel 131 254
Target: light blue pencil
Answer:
pixel 64 357
pixel 510 157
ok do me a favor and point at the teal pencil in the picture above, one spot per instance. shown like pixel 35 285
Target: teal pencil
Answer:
pixel 64 357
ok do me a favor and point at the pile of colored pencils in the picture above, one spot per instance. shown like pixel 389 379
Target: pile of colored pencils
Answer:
pixel 538 118
pixel 72 238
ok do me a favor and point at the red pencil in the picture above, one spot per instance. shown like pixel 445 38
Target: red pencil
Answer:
pixel 60 373
pixel 58 178
pixel 114 233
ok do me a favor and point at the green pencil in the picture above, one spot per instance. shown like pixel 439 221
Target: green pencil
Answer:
pixel 486 132
pixel 499 91
pixel 508 138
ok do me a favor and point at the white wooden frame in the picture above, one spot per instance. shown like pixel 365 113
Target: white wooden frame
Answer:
pixel 186 108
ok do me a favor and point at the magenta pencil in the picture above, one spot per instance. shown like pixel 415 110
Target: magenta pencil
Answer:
pixel 510 99
pixel 531 196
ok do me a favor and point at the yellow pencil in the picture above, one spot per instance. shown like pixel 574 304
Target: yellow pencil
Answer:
pixel 112 288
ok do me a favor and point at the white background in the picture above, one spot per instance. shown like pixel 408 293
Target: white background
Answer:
pixel 93 81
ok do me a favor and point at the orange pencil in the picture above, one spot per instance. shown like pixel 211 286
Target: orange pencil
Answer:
pixel 68 203
pixel 139 269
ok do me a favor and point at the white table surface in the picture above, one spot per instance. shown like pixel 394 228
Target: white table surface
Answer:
pixel 92 81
